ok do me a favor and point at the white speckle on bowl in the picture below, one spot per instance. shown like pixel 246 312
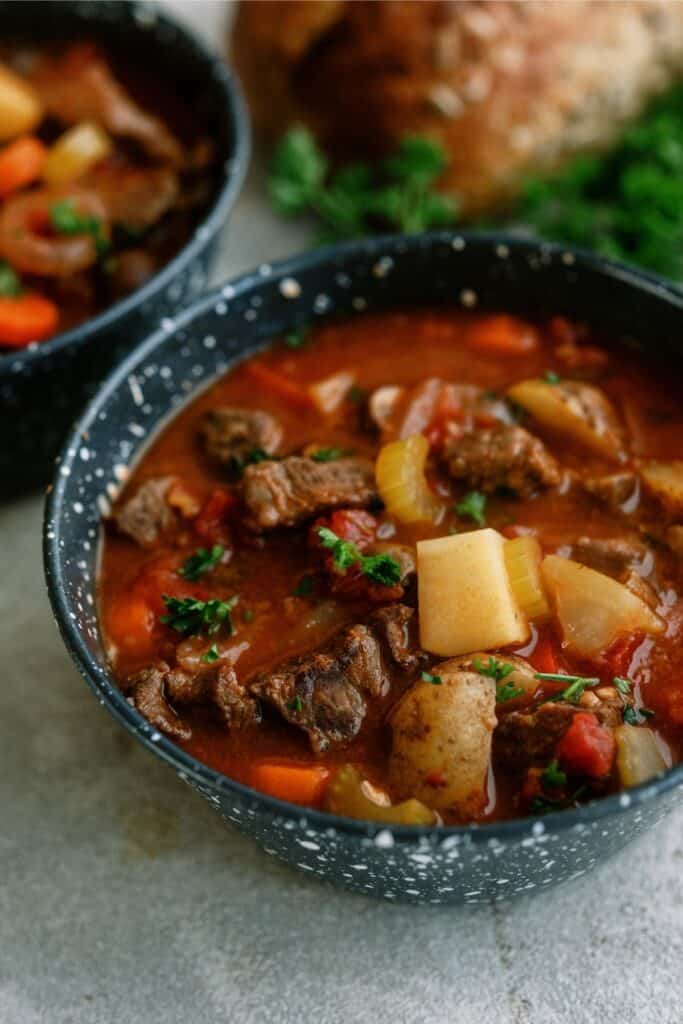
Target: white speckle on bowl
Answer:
pixel 136 429
pixel 359 303
pixel 502 251
pixel 468 297
pixel 383 266
pixel 568 258
pixel 103 505
pixel 538 828
pixel 384 839
pixel 84 454
pixel 307 844
pixel 458 244
pixel 289 288
pixel 78 507
pixel 265 270
pixel 120 472
pixel 228 291
pixel 221 308
pixel 167 324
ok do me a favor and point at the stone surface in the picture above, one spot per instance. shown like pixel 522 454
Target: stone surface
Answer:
pixel 124 899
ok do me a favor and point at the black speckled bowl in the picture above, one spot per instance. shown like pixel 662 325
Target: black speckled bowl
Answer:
pixel 439 865
pixel 44 387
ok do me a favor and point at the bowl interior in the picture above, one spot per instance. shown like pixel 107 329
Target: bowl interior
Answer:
pixel 141 36
pixel 174 365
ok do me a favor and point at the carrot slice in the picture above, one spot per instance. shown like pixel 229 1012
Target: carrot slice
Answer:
pixel 26 318
pixel 299 784
pixel 21 163
pixel 543 657
pixel 501 335
pixel 279 386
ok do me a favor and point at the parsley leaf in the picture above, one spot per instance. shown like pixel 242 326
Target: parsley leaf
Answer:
pixel 329 454
pixel 356 394
pixel 382 569
pixel 473 506
pixel 498 671
pixel 10 282
pixel 210 656
pixel 305 587
pixel 550 377
pixel 201 561
pixel 296 705
pixel 189 616
pixel 636 716
pixel 66 220
pixel 622 685
pixel 238 463
pixel 428 677
pixel 297 172
pixel 553 777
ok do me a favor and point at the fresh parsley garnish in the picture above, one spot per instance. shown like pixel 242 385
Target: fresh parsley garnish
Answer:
pixel 429 677
pixel 295 705
pixel 66 220
pixel 553 777
pixel 574 688
pixel 297 338
pixel 305 587
pixel 636 716
pixel 473 506
pixel 201 561
pixel 622 685
pixel 550 377
pixel 382 569
pixel 498 671
pixel 10 282
pixel 356 394
pixel 238 463
pixel 211 655
pixel 329 454
pixel 189 616
pixel 398 193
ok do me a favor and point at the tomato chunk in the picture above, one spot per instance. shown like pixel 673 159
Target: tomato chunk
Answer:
pixel 350 524
pixel 212 524
pixel 587 747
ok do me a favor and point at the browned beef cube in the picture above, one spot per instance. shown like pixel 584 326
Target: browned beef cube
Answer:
pixel 502 456
pixel 231 434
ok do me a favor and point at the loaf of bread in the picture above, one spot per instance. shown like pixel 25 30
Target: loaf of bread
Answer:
pixel 509 88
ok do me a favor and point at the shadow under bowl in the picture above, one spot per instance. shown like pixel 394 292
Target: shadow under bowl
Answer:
pixel 42 388
pixel 438 865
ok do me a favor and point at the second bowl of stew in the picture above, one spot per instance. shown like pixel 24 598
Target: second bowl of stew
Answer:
pixel 123 144
pixel 396 587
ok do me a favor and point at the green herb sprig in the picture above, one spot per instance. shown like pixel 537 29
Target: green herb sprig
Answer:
pixel 329 454
pixel 10 282
pixel 472 506
pixel 574 688
pixel 382 569
pixel 429 677
pixel 190 617
pixel 499 671
pixel 200 562
pixel 66 220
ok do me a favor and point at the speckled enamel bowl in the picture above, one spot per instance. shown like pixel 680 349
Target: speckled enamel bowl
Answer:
pixel 438 865
pixel 44 386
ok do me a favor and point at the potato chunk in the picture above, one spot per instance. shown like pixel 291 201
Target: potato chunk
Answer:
pixel 442 740
pixel 20 106
pixel 575 410
pixel 638 756
pixel 465 599
pixel 593 609
pixel 665 481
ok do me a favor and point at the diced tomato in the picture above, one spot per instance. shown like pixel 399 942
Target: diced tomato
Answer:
pixel 544 657
pixel 620 654
pixel 502 335
pixel 212 524
pixel 355 584
pixel 587 747
pixel 351 524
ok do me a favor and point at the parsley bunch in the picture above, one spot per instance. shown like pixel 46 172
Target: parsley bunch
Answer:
pixel 10 283
pixel 201 561
pixel 66 220
pixel 396 194
pixel 189 616
pixel 382 569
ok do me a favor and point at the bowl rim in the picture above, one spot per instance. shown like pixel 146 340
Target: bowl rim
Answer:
pixel 101 680
pixel 231 178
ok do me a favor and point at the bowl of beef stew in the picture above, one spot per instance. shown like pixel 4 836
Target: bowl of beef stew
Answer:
pixel 123 144
pixel 389 568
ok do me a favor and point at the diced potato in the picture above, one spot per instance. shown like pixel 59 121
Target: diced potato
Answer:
pixel 594 610
pixel 576 410
pixel 329 393
pixel 523 675
pixel 665 481
pixel 75 153
pixel 674 538
pixel 20 107
pixel 349 795
pixel 465 599
pixel 442 740
pixel 401 481
pixel 523 557
pixel 638 756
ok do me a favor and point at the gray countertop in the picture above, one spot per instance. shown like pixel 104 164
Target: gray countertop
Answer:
pixel 125 900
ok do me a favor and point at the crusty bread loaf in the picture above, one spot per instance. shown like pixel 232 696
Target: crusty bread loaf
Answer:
pixel 509 88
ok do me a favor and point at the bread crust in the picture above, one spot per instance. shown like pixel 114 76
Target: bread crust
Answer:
pixel 509 88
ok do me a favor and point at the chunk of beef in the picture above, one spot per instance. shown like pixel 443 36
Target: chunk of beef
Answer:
pixel 155 690
pixel 135 196
pixel 147 691
pixel 613 556
pixel 289 492
pixel 147 514
pixel 392 625
pixel 502 456
pixel 78 85
pixel 526 738
pixel 322 693
pixel 230 434
pixel 618 491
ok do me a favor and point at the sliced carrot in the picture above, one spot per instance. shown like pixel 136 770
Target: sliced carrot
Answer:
pixel 502 335
pixel 299 784
pixel 543 657
pixel 26 318
pixel 21 163
pixel 280 386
